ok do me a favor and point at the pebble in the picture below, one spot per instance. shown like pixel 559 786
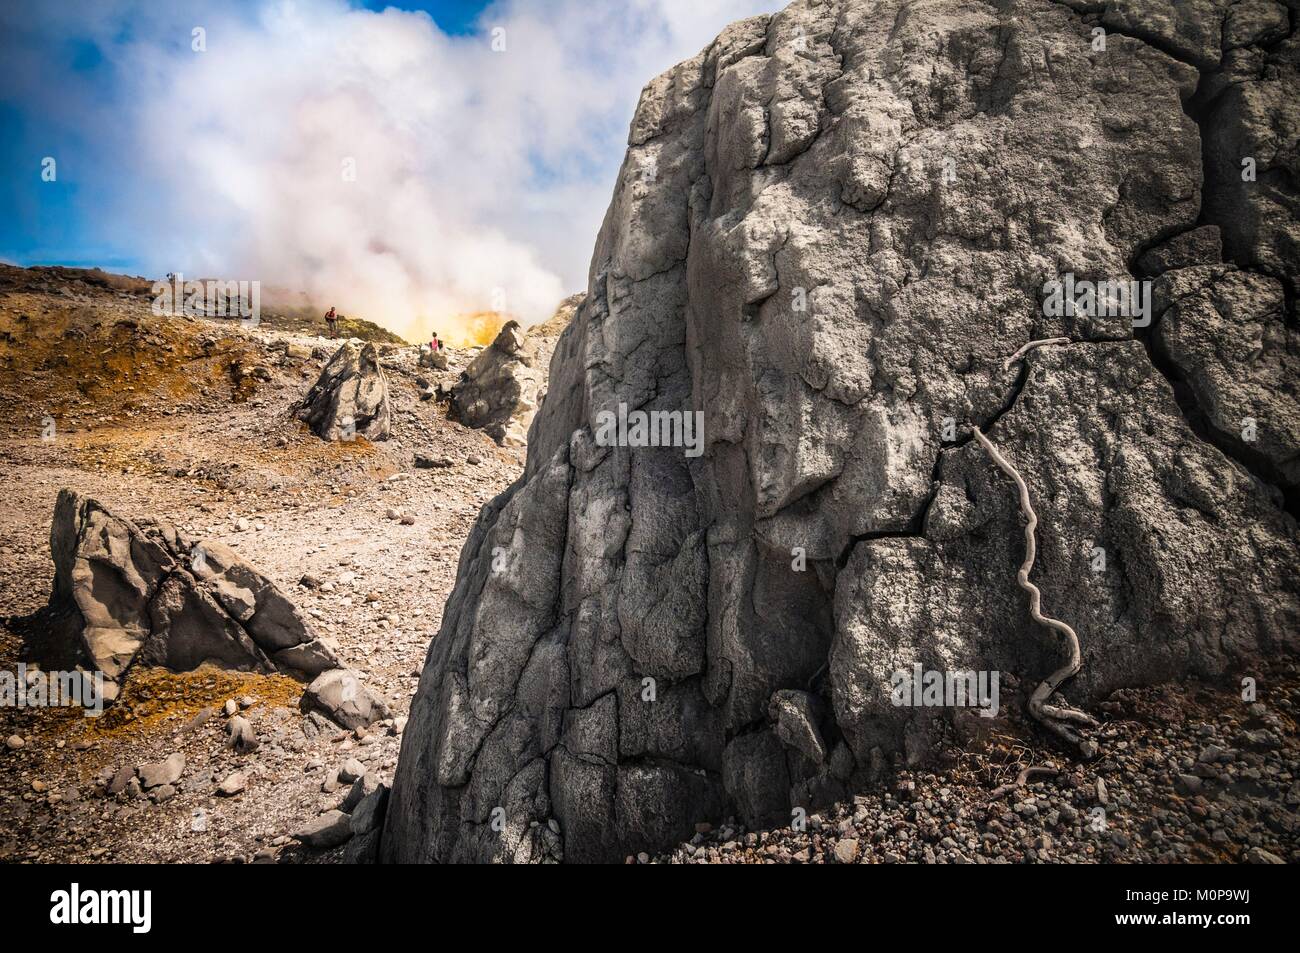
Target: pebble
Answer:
pixel 233 784
pixel 352 770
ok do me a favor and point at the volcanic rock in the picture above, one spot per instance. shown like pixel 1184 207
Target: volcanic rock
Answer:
pixel 832 230
pixel 163 772
pixel 502 387
pixel 499 390
pixel 350 398
pixel 340 696
pixel 143 593
pixel 328 830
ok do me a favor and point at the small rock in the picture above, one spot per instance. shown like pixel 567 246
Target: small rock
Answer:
pixel 352 770
pixel 162 773
pixel 120 780
pixel 1257 855
pixel 341 697
pixel 846 850
pixel 242 736
pixel 423 462
pixel 362 787
pixel 369 814
pixel 329 830
pixel 233 784
pixel 199 720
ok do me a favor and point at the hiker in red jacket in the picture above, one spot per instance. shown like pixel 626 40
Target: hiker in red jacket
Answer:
pixel 434 344
pixel 332 320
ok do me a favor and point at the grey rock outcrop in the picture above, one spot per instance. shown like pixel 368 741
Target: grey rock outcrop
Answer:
pixel 1225 334
pixel 832 229
pixel 350 398
pixel 500 389
pixel 503 386
pixel 142 593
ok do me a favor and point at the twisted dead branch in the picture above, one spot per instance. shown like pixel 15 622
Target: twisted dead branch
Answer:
pixel 1031 346
pixel 1023 778
pixel 1052 717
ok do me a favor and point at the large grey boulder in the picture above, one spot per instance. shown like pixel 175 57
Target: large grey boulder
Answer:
pixel 142 593
pixel 504 385
pixel 832 229
pixel 500 389
pixel 350 398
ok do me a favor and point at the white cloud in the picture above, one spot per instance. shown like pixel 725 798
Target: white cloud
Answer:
pixel 475 170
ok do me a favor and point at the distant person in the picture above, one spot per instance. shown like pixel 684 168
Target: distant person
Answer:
pixel 332 319
pixel 434 357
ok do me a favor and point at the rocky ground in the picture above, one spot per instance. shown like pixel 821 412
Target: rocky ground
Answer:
pixel 1188 774
pixel 190 421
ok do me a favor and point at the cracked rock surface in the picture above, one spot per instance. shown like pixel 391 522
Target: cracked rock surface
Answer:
pixel 501 389
pixel 143 594
pixel 350 397
pixel 831 229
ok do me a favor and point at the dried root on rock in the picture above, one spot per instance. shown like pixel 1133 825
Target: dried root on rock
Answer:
pixel 1055 718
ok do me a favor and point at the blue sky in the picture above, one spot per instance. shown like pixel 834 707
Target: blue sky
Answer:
pixel 67 221
pixel 453 16
pixel 476 170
